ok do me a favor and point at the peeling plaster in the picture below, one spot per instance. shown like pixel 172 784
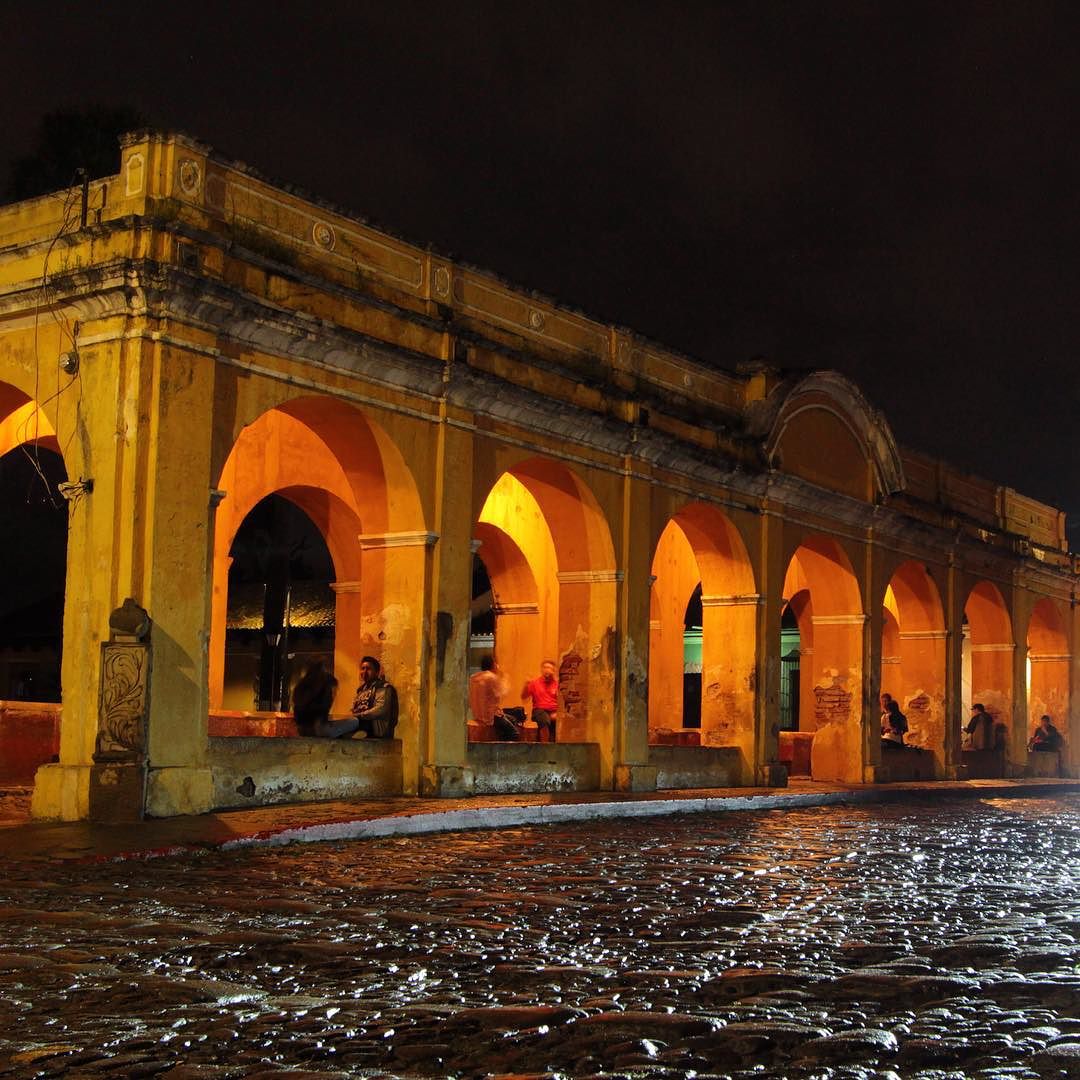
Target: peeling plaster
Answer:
pixel 389 627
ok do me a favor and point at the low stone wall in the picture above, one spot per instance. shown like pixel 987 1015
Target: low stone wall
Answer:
pixel 695 766
pixel 983 764
pixel 256 771
pixel 1043 763
pixel 29 738
pixel 908 763
pixel 506 768
pixel 234 724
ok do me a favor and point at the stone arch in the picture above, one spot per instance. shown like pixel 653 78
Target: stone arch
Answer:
pixel 24 423
pixel 700 548
pixel 338 527
pixel 826 411
pixel 339 466
pixel 990 655
pixel 552 517
pixel 34 528
pixel 832 668
pixel 525 630
pixel 1049 660
pixel 913 655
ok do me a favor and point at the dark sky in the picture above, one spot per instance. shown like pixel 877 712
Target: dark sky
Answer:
pixel 888 189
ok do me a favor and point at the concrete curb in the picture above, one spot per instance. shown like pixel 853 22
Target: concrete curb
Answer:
pixel 502 817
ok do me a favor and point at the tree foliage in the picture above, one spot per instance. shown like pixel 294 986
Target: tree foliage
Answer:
pixel 69 140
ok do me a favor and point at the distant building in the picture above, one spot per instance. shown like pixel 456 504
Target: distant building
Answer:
pixel 728 567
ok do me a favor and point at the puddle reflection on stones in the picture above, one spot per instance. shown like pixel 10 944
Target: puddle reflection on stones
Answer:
pixel 931 940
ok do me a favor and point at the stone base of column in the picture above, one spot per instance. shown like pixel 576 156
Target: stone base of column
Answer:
pixel 772 774
pixel 61 793
pixel 956 772
pixel 117 792
pixel 875 774
pixel 180 789
pixel 446 781
pixel 635 778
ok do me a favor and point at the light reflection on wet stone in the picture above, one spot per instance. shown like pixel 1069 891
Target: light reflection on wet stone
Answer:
pixel 935 940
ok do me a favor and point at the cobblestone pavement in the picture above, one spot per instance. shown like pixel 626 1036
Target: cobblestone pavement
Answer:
pixel 934 939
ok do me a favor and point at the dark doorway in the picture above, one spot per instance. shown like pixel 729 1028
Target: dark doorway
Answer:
pixel 33 538
pixel 281 607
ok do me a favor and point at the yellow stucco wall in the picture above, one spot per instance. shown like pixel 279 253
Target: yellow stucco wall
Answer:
pixel 235 340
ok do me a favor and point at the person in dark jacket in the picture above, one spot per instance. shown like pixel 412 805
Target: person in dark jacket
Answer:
pixel 375 707
pixel 1047 738
pixel 980 728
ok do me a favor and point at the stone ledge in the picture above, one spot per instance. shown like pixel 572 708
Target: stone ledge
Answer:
pixel 680 767
pixel 255 771
pixel 505 768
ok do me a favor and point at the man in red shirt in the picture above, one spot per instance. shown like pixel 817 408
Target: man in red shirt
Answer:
pixel 544 692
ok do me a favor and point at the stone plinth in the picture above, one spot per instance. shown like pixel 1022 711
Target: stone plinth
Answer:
pixel 503 767
pixel 696 766
pixel 259 772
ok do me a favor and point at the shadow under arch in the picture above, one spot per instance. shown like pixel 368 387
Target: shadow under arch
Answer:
pixel 549 514
pixel 1048 664
pixel 343 470
pixel 831 621
pixel 700 552
pixel 913 656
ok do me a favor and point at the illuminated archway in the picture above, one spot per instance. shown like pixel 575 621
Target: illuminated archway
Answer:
pixel 701 566
pixel 1049 661
pixel 831 621
pixel 913 656
pixel 343 471
pixel 548 553
pixel 33 535
pixel 281 599
pixel 989 658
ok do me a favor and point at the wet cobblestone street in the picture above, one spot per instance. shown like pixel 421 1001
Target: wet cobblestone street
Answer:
pixel 936 939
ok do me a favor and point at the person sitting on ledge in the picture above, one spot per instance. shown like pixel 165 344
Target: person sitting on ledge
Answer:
pixel 486 691
pixel 544 692
pixel 312 699
pixel 375 707
pixel 893 726
pixel 1047 738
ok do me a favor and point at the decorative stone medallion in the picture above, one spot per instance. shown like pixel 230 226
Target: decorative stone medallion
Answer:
pixel 323 235
pixel 440 281
pixel 536 319
pixel 189 175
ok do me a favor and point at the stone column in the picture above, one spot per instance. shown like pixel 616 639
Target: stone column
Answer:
pixel 445 770
pixel 395 570
pixel 769 771
pixel 729 675
pixel 588 661
pixel 348 618
pixel 923 667
pixel 840 741
pixel 954 675
pixel 631 768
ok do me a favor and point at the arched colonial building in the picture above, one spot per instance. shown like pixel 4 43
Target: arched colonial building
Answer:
pixel 728 568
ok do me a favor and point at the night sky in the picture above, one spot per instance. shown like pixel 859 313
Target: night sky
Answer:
pixel 886 189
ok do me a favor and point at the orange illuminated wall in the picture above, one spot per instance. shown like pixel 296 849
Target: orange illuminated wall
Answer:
pixel 831 675
pixel 1049 660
